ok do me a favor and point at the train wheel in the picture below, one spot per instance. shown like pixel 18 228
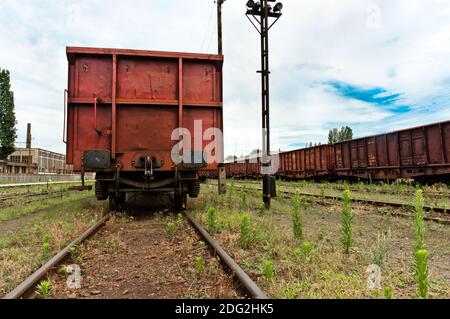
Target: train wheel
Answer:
pixel 101 190
pixel 194 189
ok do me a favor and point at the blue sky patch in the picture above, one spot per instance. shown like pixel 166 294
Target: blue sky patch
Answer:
pixel 375 95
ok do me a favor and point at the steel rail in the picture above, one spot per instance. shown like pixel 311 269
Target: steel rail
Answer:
pixel 37 184
pixel 288 194
pixel 15 196
pixel 245 280
pixel 25 288
pixel 48 195
pixel 355 189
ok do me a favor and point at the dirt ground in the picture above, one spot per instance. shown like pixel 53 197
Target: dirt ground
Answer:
pixel 134 256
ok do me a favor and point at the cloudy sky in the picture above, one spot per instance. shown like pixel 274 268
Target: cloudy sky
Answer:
pixel 376 66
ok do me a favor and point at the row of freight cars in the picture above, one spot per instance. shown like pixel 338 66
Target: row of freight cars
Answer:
pixel 420 152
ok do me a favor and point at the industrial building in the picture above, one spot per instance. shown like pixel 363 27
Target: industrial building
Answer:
pixel 30 160
pixel 36 161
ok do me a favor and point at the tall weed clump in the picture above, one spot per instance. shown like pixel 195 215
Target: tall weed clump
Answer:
pixel 347 218
pixel 419 221
pixel 246 232
pixel 212 220
pixel 296 216
pixel 421 272
pixel 381 248
pixel 421 254
pixel 243 200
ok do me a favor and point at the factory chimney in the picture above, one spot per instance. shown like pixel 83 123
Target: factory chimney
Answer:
pixel 29 135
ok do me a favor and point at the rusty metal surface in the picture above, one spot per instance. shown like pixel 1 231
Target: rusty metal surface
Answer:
pixel 419 151
pixel 411 153
pixel 130 101
pixel 304 163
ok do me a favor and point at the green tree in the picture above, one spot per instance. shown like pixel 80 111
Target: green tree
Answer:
pixel 344 134
pixel 8 132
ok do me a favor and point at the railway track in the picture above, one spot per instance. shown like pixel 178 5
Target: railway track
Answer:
pixel 438 219
pixel 20 185
pixel 28 198
pixel 26 290
pixel 390 192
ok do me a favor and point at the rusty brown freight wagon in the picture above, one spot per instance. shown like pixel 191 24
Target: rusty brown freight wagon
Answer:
pixel 305 163
pixel 412 153
pixel 122 109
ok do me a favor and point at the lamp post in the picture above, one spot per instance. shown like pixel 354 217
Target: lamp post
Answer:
pixel 262 12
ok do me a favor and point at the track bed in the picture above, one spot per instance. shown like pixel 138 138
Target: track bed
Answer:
pixel 136 258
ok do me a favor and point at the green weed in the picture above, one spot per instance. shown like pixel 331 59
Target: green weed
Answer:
pixel 347 217
pixel 246 232
pixel 212 220
pixel 388 293
pixel 381 248
pixel 180 219
pixel 199 265
pixel 44 289
pixel 268 270
pixel 419 222
pixel 243 201
pixel 46 245
pixel 170 228
pixel 296 216
pixel 72 250
pixel 421 272
pixel 64 270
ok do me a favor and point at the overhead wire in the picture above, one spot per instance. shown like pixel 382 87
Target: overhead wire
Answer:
pixel 207 31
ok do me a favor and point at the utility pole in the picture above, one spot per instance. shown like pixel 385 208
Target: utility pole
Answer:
pixel 261 12
pixel 219 25
pixel 222 187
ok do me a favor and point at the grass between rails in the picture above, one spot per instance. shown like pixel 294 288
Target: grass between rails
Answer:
pixel 316 266
pixel 25 250
pixel 39 205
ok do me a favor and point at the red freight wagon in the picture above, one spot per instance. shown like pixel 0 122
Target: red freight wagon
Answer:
pixel 306 163
pixel 410 153
pixel 235 169
pixel 122 109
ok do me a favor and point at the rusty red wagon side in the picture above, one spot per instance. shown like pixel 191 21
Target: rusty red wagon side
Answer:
pixel 306 163
pixel 412 153
pixel 122 109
